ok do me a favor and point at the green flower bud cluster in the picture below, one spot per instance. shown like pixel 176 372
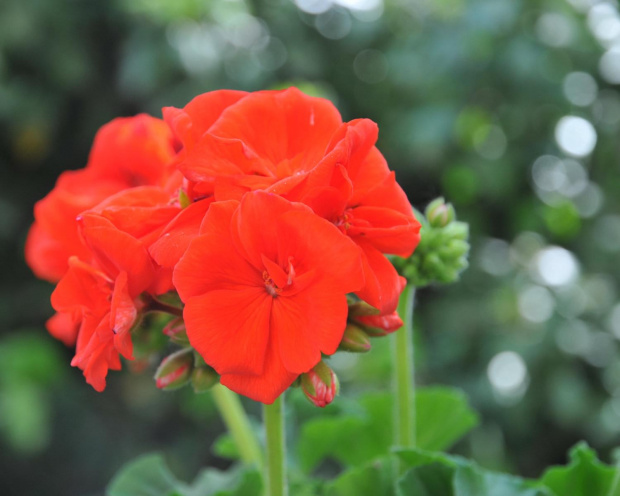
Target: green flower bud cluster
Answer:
pixel 442 252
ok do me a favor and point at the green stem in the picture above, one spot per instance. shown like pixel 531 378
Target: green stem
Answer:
pixel 404 384
pixel 238 425
pixel 275 475
pixel 153 305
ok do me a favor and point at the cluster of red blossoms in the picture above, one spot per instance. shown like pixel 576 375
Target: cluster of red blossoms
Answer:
pixel 263 211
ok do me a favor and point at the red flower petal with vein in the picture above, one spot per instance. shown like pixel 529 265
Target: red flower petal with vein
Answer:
pixel 265 287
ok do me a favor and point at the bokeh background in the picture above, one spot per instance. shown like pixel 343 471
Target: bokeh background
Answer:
pixel 508 108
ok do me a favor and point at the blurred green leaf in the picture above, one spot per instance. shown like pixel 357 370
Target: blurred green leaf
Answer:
pixel 427 480
pixel 442 417
pixel 585 475
pixel 474 481
pixel 437 474
pixel 30 356
pixel 150 476
pixel 372 480
pixel 24 417
pixel 225 447
pixel 234 482
pixel 146 476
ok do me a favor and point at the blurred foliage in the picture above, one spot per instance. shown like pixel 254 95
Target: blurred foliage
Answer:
pixel 469 97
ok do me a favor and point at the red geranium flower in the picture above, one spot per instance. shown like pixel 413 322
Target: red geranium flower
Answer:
pixel 306 154
pixel 251 140
pixel 127 152
pixel 99 300
pixel 265 289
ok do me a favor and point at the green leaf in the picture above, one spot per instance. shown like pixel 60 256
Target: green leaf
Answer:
pixel 148 475
pixel 225 447
pixel 585 475
pixel 235 482
pixel 438 474
pixel 427 480
pixel 375 479
pixel 442 417
pixel 474 481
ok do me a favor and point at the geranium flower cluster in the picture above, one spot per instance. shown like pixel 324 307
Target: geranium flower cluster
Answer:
pixel 263 211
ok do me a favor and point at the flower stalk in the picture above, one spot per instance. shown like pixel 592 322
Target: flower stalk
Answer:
pixel 275 474
pixel 238 425
pixel 404 373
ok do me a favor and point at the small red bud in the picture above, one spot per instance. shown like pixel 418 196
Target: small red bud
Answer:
pixel 379 325
pixel 354 339
pixel 320 385
pixel 175 370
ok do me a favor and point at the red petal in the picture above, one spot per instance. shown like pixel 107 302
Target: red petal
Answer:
pixel 386 194
pixel 134 151
pixel 45 255
pixel 266 387
pixel 82 288
pixel 315 243
pixel 177 235
pixel 211 261
pixel 230 328
pixel 383 284
pixel 387 230
pixel 214 156
pixel 308 323
pixel 141 212
pixel 281 125
pixel 64 326
pixel 117 251
pixel 255 226
pixel 123 315
pixel 190 123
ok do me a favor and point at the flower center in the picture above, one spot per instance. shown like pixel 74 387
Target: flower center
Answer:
pixel 344 221
pixel 276 279
pixel 270 285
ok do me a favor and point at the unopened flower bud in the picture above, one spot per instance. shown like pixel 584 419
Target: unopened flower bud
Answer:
pixel 175 370
pixel 439 213
pixel 380 325
pixel 175 330
pixel 354 339
pixel 203 379
pixel 320 385
pixel 360 308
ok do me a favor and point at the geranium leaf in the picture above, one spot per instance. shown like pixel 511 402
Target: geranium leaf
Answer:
pixel 371 480
pixel 442 417
pixel 147 475
pixel 438 474
pixel 235 482
pixel 427 480
pixel 585 475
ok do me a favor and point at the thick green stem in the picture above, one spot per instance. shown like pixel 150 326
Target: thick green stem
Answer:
pixel 275 474
pixel 238 425
pixel 404 410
